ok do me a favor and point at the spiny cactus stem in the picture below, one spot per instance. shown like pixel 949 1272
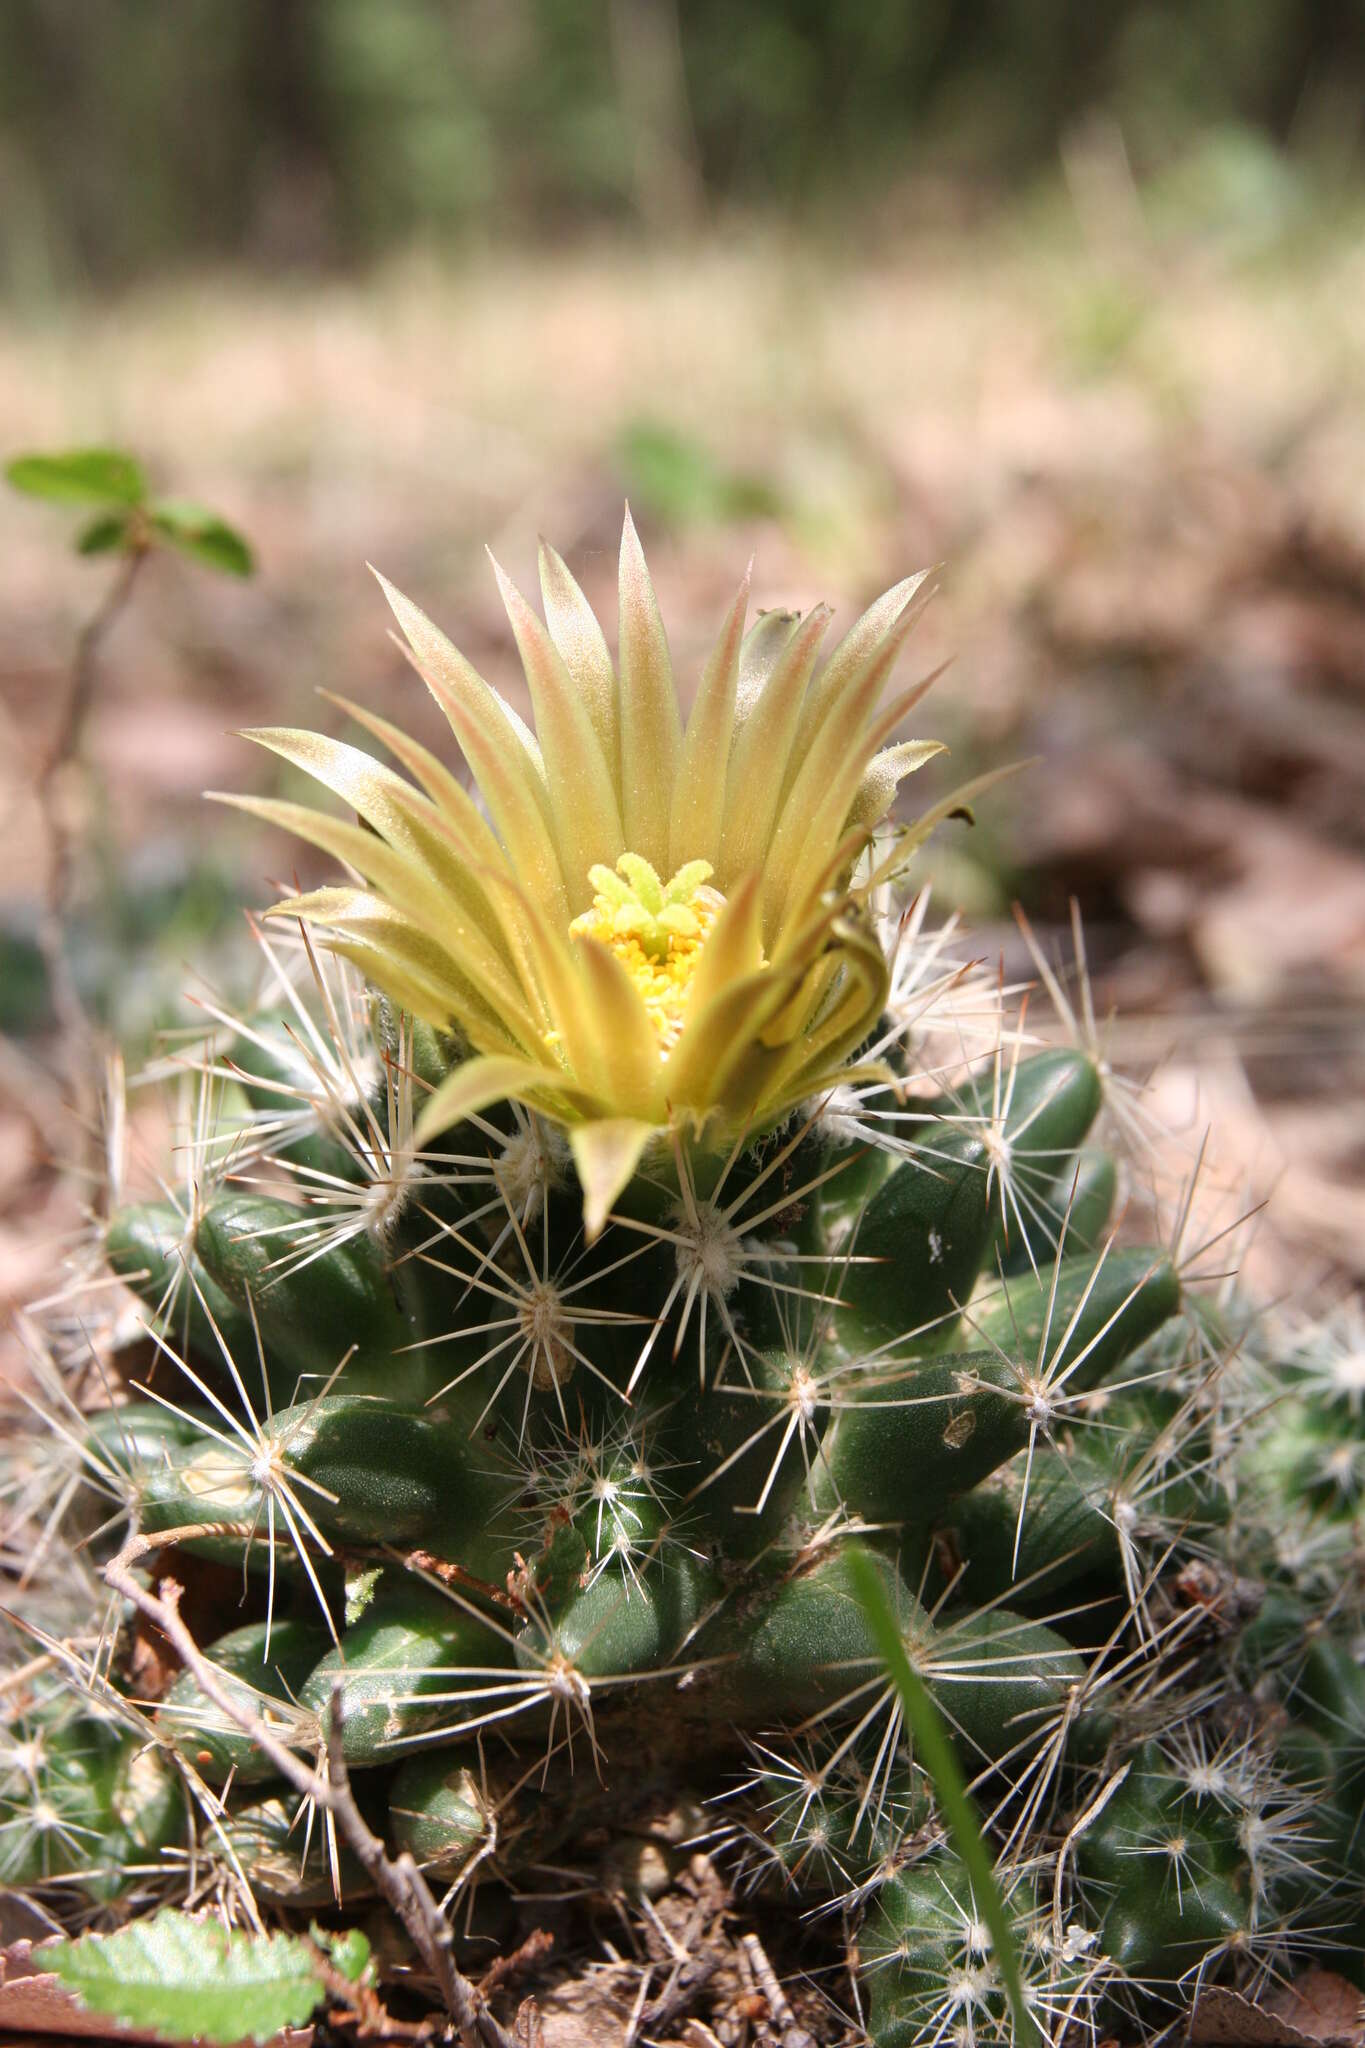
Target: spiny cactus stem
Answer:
pixel 399 1882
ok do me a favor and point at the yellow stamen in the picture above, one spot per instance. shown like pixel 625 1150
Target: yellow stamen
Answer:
pixel 656 930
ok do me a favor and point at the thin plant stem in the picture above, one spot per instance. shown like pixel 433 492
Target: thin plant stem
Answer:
pixel 76 1034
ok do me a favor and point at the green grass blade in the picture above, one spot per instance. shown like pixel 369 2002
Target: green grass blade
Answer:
pixel 934 1752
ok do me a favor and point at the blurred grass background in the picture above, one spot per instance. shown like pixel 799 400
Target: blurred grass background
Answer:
pixel 1069 299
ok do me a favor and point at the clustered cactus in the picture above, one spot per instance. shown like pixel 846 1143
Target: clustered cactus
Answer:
pixel 544 1405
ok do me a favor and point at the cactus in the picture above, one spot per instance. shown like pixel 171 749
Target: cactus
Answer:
pixel 577 1268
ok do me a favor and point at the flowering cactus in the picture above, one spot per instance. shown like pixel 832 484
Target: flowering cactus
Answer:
pixel 639 1216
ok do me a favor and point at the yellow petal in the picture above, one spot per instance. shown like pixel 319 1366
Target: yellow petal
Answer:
pixel 567 1002
pixel 504 757
pixel 814 810
pixel 583 650
pixel 758 656
pixel 587 822
pixel 403 883
pixel 863 983
pixel 882 777
pixel 479 1082
pixel 914 835
pixel 629 1045
pixel 449 990
pixel 699 797
pixel 758 757
pixel 461 814
pixel 399 813
pixel 718 1038
pixel 651 730
pixel 898 607
pixel 606 1154
pixel 733 948
pixel 382 970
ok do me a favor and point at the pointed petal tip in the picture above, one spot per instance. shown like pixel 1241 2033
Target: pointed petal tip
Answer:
pixel 507 589
pixel 606 1153
pixel 632 551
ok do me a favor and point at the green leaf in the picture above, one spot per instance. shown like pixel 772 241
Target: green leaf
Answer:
pixel 191 1979
pixel 201 533
pixel 934 1752
pixel 349 1950
pixel 80 476
pixel 108 530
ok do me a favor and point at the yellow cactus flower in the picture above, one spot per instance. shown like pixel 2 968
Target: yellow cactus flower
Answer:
pixel 647 925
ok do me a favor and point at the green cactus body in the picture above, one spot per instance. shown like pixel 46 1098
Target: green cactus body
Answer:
pixel 290 1858
pixel 1174 1871
pixel 262 1666
pixel 86 1803
pixel 931 1972
pixel 412 1660
pixel 439 1812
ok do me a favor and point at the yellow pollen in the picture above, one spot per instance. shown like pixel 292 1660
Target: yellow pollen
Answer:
pixel 656 930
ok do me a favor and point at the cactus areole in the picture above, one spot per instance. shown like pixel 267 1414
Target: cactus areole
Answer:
pixel 624 1205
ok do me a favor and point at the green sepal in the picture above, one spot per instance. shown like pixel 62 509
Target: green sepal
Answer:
pixel 140 1435
pixel 282 1086
pixel 289 1862
pixel 388 1475
pixel 910 1261
pixel 100 1807
pixel 1044 1109
pixel 925 1954
pixel 917 1245
pixel 1313 1457
pixel 773 1398
pixel 1173 1864
pixel 837 1834
pixel 209 1487
pixel 1161 1933
pixel 1032 1527
pixel 622 1622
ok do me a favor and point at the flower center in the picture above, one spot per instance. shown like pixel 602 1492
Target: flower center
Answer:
pixel 656 930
